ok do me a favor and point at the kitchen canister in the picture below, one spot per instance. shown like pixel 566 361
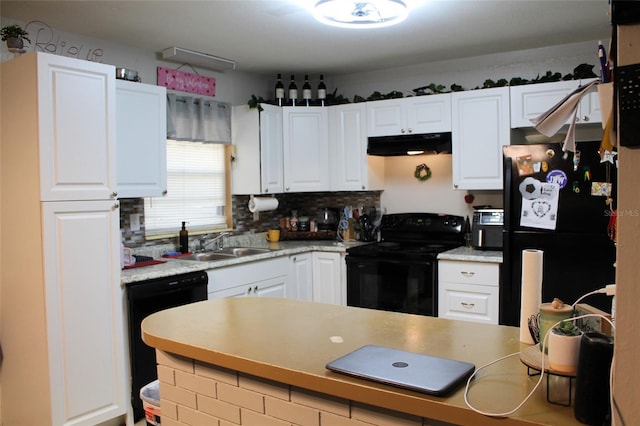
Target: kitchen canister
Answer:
pixel 551 313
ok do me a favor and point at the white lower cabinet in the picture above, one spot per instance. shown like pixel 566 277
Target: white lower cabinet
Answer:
pixel 301 277
pixel 266 278
pixel 468 290
pixel 329 278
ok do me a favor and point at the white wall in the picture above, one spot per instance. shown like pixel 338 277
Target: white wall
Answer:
pixel 232 86
pixel 469 72
pixel 404 193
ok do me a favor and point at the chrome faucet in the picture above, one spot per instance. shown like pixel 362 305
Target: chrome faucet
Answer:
pixel 217 240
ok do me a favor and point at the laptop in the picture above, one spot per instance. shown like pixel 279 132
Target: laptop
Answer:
pixel 409 370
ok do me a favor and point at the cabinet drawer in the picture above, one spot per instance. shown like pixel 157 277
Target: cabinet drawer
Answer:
pixel 481 273
pixel 247 274
pixel 468 302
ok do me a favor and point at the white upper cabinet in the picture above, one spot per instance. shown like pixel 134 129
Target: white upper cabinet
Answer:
pixel 530 100
pixel 480 130
pixel 420 114
pixel 76 120
pixel 257 139
pixel 306 149
pixel 350 168
pixel 141 123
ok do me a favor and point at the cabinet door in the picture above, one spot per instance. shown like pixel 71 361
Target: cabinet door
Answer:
pixel 329 278
pixel 590 111
pixel 300 277
pixel 141 123
pixel 77 129
pixel 276 287
pixel 480 130
pixel 386 118
pixel 247 278
pixel 306 149
pixel 348 147
pixel 84 311
pixel 531 100
pixel 428 114
pixel 271 159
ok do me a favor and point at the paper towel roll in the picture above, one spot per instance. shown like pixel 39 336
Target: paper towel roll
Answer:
pixel 531 291
pixel 262 204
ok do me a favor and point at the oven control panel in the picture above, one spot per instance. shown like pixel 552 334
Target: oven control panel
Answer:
pixel 422 222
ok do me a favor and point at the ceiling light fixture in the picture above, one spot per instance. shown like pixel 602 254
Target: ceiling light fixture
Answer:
pixel 361 14
pixel 203 60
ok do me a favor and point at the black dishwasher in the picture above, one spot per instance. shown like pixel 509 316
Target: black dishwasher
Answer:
pixel 145 298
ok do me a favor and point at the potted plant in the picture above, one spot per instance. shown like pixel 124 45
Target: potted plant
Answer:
pixel 14 35
pixel 564 347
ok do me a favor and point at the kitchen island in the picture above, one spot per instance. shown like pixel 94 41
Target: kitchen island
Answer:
pixel 262 361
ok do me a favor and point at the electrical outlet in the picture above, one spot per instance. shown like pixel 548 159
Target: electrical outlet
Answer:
pixel 134 222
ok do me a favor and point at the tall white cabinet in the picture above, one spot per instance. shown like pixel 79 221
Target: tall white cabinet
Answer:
pixel 62 315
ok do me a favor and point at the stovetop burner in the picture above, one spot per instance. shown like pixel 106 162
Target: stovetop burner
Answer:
pixel 414 235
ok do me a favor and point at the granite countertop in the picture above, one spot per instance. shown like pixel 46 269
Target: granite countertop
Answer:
pixel 175 266
pixel 471 255
pixel 291 341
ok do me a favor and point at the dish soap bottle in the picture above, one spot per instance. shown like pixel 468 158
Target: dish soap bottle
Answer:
pixel 184 239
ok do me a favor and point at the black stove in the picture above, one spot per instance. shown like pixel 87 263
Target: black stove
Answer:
pixel 399 273
pixel 415 235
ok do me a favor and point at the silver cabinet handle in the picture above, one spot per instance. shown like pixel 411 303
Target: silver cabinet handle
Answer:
pixel 114 195
pixel 467 305
pixel 467 274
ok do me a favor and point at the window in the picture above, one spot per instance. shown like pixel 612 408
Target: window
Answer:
pixel 198 191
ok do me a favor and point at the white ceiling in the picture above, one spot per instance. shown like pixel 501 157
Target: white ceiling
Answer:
pixel 270 36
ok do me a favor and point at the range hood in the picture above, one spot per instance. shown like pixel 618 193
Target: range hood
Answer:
pixel 410 144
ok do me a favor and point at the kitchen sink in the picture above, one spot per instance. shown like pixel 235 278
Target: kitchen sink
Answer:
pixel 225 253
pixel 208 256
pixel 242 251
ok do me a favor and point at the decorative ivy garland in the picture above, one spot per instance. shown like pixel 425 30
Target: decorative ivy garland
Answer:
pixel 422 173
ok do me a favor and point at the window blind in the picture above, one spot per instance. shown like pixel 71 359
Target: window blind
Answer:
pixel 196 189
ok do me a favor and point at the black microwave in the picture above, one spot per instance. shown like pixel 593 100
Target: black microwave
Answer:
pixel 486 229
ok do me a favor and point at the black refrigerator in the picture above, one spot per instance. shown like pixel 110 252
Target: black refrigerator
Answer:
pixel 557 202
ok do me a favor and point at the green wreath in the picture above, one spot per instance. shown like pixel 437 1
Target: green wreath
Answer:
pixel 422 173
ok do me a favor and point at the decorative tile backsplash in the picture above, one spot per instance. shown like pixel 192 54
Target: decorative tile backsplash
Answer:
pixel 306 204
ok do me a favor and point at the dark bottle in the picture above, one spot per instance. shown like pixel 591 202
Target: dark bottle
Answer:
pixel 322 90
pixel 293 91
pixel 279 91
pixel 184 239
pixel 306 90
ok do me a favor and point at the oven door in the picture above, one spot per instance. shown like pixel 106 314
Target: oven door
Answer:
pixel 392 285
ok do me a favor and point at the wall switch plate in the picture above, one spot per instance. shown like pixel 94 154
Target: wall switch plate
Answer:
pixel 134 222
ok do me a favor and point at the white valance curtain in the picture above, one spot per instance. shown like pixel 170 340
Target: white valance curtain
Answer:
pixel 198 119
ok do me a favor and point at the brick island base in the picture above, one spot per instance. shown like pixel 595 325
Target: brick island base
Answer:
pixel 197 394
